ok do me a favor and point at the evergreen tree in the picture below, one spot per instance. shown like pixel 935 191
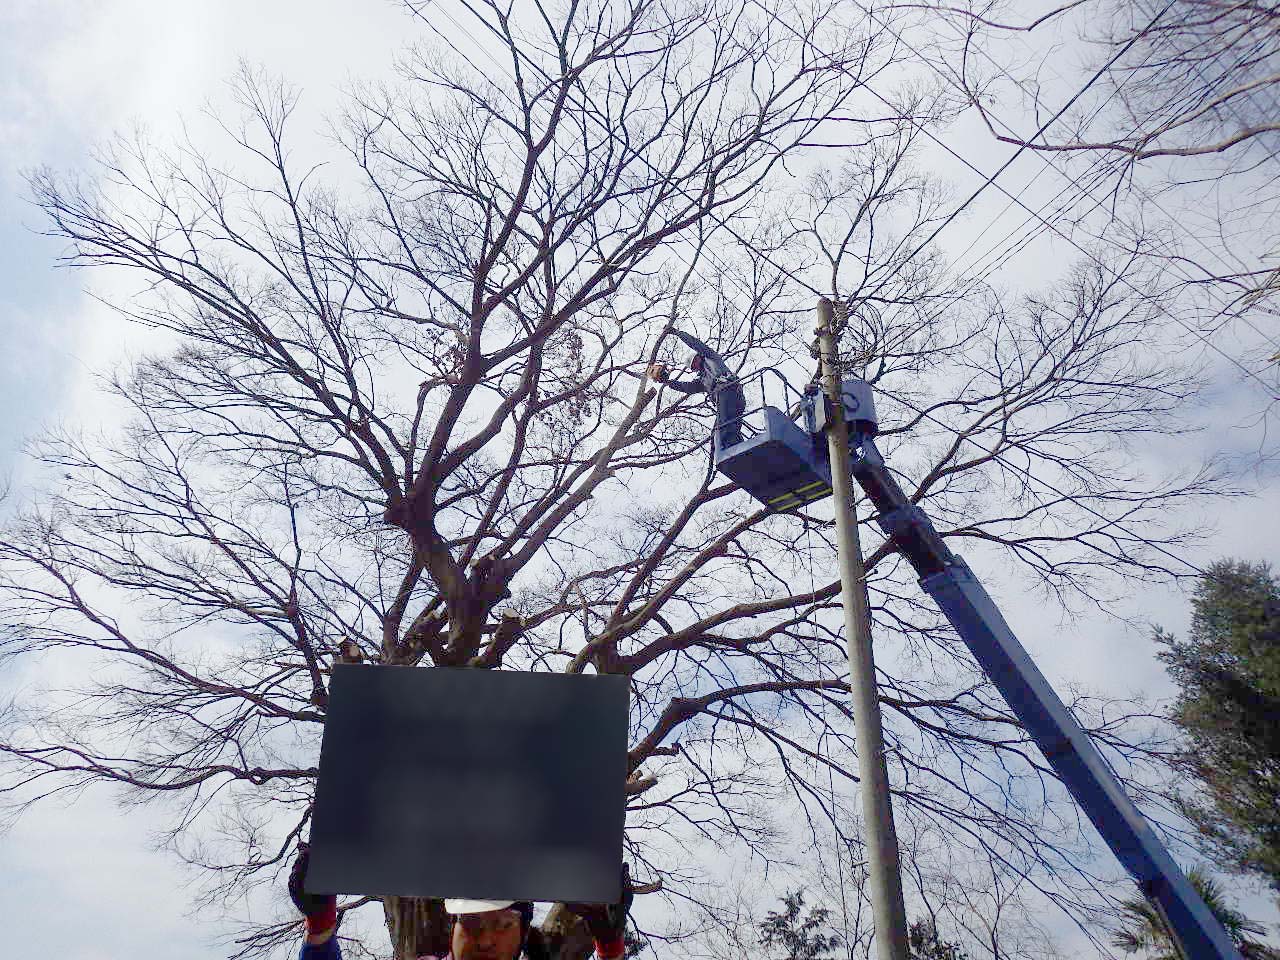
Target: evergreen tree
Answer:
pixel 799 938
pixel 1228 675
pixel 924 943
pixel 1144 930
pixel 810 937
pixel 634 943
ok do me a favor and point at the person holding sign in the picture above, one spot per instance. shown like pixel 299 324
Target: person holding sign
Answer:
pixel 480 929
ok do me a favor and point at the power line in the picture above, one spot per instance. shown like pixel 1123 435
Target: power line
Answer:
pixel 791 275
pixel 1100 167
pixel 1011 243
pixel 1137 187
pixel 715 218
pixel 988 181
pixel 1016 468
pixel 1223 310
pixel 991 181
pixel 1025 144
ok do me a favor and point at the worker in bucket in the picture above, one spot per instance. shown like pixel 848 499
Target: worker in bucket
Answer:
pixel 715 380
pixel 479 929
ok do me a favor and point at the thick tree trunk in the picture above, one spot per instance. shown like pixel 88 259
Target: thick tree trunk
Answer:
pixel 417 926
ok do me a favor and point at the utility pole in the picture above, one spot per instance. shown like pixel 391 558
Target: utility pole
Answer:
pixel 877 812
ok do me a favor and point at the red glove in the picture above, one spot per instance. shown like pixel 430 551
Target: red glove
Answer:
pixel 608 921
pixel 320 909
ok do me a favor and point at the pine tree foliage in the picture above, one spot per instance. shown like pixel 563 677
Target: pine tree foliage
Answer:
pixel 925 943
pixel 1144 931
pixel 634 942
pixel 809 935
pixel 1228 675
pixel 798 935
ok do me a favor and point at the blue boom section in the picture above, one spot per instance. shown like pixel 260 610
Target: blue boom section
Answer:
pixel 1076 760
pixel 1066 746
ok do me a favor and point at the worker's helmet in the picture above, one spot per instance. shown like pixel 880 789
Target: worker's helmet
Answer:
pixel 457 907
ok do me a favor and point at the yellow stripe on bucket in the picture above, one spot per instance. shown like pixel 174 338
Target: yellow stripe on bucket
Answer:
pixel 798 497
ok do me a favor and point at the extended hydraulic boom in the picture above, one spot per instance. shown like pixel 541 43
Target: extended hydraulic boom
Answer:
pixel 771 460
pixel 946 578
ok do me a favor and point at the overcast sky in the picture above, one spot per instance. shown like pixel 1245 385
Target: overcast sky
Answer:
pixel 77 881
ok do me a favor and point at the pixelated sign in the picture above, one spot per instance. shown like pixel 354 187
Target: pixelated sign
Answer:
pixel 484 784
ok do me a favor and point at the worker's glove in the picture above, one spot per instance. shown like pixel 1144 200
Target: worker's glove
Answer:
pixel 659 372
pixel 320 909
pixel 607 921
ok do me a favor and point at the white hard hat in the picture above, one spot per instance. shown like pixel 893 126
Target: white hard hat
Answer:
pixel 457 907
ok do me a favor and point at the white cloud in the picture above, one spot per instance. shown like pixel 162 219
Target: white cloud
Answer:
pixel 80 882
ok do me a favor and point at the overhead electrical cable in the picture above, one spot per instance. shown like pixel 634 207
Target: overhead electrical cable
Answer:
pixel 991 181
pixel 1135 185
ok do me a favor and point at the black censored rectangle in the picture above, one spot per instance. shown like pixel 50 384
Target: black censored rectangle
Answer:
pixel 484 784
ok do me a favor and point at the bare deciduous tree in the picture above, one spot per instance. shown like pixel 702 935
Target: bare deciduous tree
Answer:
pixel 1175 111
pixel 1194 77
pixel 412 420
